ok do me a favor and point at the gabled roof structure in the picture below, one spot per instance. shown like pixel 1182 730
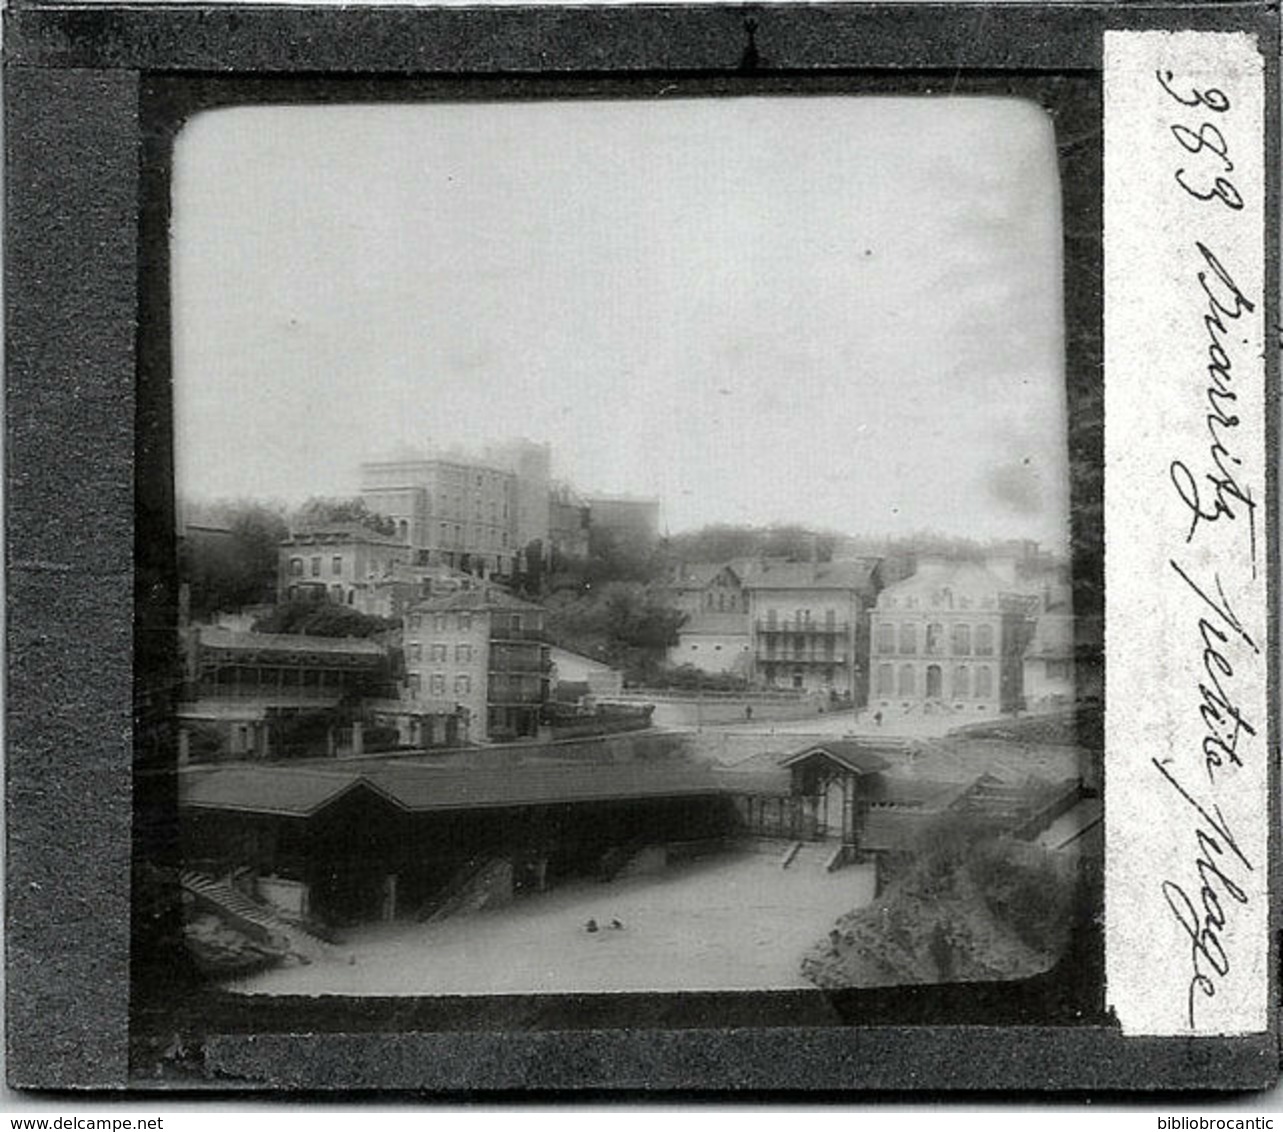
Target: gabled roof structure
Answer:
pixel 850 754
pixel 845 574
pixel 422 786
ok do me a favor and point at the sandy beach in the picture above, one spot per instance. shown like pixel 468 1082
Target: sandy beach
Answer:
pixel 734 922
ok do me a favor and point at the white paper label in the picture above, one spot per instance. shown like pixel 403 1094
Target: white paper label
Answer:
pixel 1186 762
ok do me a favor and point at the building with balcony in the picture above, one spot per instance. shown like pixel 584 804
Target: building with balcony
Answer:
pixel 951 638
pixel 808 625
pixel 241 688
pixel 486 652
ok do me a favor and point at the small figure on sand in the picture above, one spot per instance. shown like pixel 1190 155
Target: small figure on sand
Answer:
pixel 748 712
pixel 877 718
pixel 616 926
pixel 591 926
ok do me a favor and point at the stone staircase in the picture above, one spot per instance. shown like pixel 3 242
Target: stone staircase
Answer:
pixel 483 884
pixel 813 856
pixel 1016 807
pixel 257 921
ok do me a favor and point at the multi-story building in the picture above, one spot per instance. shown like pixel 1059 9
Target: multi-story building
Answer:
pixel 237 684
pixel 487 652
pixel 952 637
pixel 456 511
pixel 808 624
pixel 342 563
pixel 478 513
pixel 714 637
pixel 530 464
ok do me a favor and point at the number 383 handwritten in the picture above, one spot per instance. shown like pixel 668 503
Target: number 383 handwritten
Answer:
pixel 1207 142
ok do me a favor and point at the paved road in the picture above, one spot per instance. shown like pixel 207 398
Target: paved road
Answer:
pixel 840 723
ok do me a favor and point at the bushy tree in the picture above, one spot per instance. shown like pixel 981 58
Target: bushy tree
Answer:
pixel 227 571
pixel 321 511
pixel 625 624
pixel 322 619
pixel 722 542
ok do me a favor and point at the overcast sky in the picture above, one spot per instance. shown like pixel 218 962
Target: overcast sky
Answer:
pixel 844 312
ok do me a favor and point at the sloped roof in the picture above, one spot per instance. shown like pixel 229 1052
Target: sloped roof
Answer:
pixel 847 574
pixel 422 787
pixel 715 624
pixel 216 637
pixel 758 774
pixel 561 655
pixel 290 791
pixel 697 575
pixel 538 784
pixel 916 793
pixel 862 758
pixel 970 578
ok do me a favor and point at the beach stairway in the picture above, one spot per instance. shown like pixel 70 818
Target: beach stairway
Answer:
pixel 257 921
pixel 1023 809
pixel 812 856
pixel 478 885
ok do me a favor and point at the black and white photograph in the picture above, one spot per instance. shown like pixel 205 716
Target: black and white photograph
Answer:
pixel 620 553
pixel 625 546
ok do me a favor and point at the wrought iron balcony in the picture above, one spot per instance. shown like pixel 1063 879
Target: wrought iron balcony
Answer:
pixel 822 628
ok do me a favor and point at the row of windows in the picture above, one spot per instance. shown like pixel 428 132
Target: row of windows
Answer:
pixel 336 566
pixel 462 653
pixel 442 621
pixel 336 593
pixel 828 648
pixel 724 602
pixel 297 566
pixel 905 683
pixel 437 684
pixel 801 617
pixel 453 534
pixel 944 598
pixel 885 639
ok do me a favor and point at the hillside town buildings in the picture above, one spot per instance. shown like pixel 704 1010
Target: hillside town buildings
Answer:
pixel 343 564
pixel 487 512
pixel 485 651
pixel 240 689
pixel 714 637
pixel 955 637
pixel 456 512
pixel 352 565
pixel 949 636
pixel 808 625
pixel 466 662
